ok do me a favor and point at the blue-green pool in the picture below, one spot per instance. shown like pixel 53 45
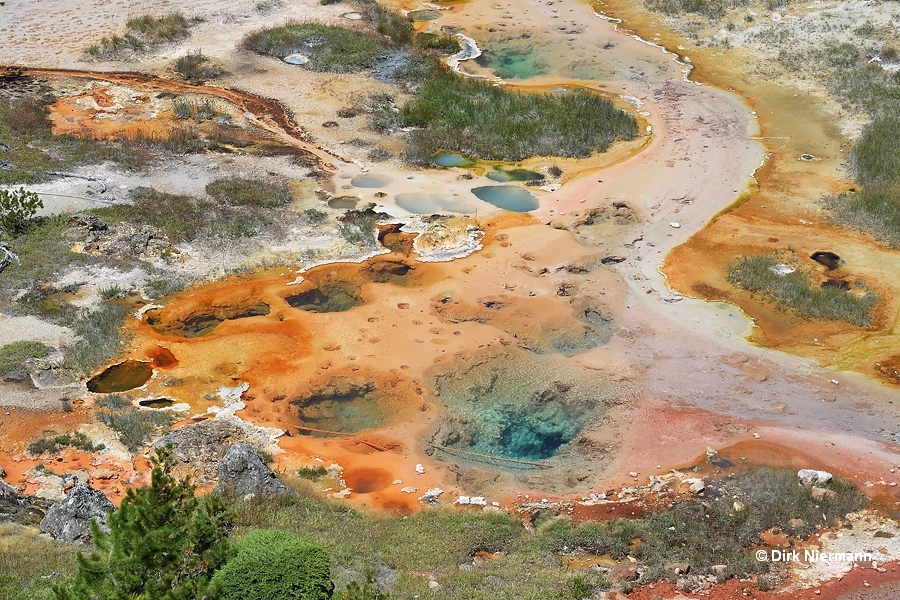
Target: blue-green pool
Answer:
pixel 507 197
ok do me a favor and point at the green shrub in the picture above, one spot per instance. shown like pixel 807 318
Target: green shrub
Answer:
pixel 135 427
pixel 332 49
pixel 276 565
pixel 17 208
pixel 358 228
pixel 14 354
pixel 163 543
pixel 795 291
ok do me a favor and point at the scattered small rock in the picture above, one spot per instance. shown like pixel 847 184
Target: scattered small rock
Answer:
pixel 624 571
pixel 695 486
pixel 820 494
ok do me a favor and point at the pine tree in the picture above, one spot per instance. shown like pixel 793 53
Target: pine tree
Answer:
pixel 163 544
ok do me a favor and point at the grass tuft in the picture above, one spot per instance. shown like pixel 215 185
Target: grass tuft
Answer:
pixel 796 292
pixel 478 119
pixel 330 49
pixel 143 33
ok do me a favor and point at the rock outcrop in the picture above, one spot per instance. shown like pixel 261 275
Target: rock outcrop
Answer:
pixel 19 508
pixel 243 474
pixel 69 520
pixel 203 445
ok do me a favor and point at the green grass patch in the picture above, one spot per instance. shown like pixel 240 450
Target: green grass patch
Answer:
pixel 874 210
pixel 237 191
pixel 493 123
pixel 445 44
pixel 33 149
pixel 312 473
pixel 44 251
pixel 876 156
pixel 143 33
pixel 31 565
pixel 329 48
pixel 13 355
pixel 796 291
pixel 712 9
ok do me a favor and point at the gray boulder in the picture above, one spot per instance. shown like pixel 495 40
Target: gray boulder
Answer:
pixel 244 474
pixel 69 520
pixel 201 446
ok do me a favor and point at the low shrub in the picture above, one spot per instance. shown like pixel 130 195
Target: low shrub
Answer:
pixel 236 191
pixel 135 427
pixel 196 110
pixel 53 445
pixel 14 354
pixel 357 227
pixel 99 337
pixel 275 565
pixel 196 68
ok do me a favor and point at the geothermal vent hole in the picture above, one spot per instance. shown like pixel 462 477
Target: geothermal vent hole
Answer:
pixel 342 407
pixel 203 321
pixel 335 296
pixel 518 405
pixel 121 377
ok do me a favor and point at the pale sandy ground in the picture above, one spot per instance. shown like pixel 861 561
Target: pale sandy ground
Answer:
pixel 684 356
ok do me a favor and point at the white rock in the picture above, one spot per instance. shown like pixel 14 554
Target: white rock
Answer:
pixel 675 225
pixel 811 477
pixel 420 469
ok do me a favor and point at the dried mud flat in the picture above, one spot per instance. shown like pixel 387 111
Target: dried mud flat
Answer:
pixel 571 296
